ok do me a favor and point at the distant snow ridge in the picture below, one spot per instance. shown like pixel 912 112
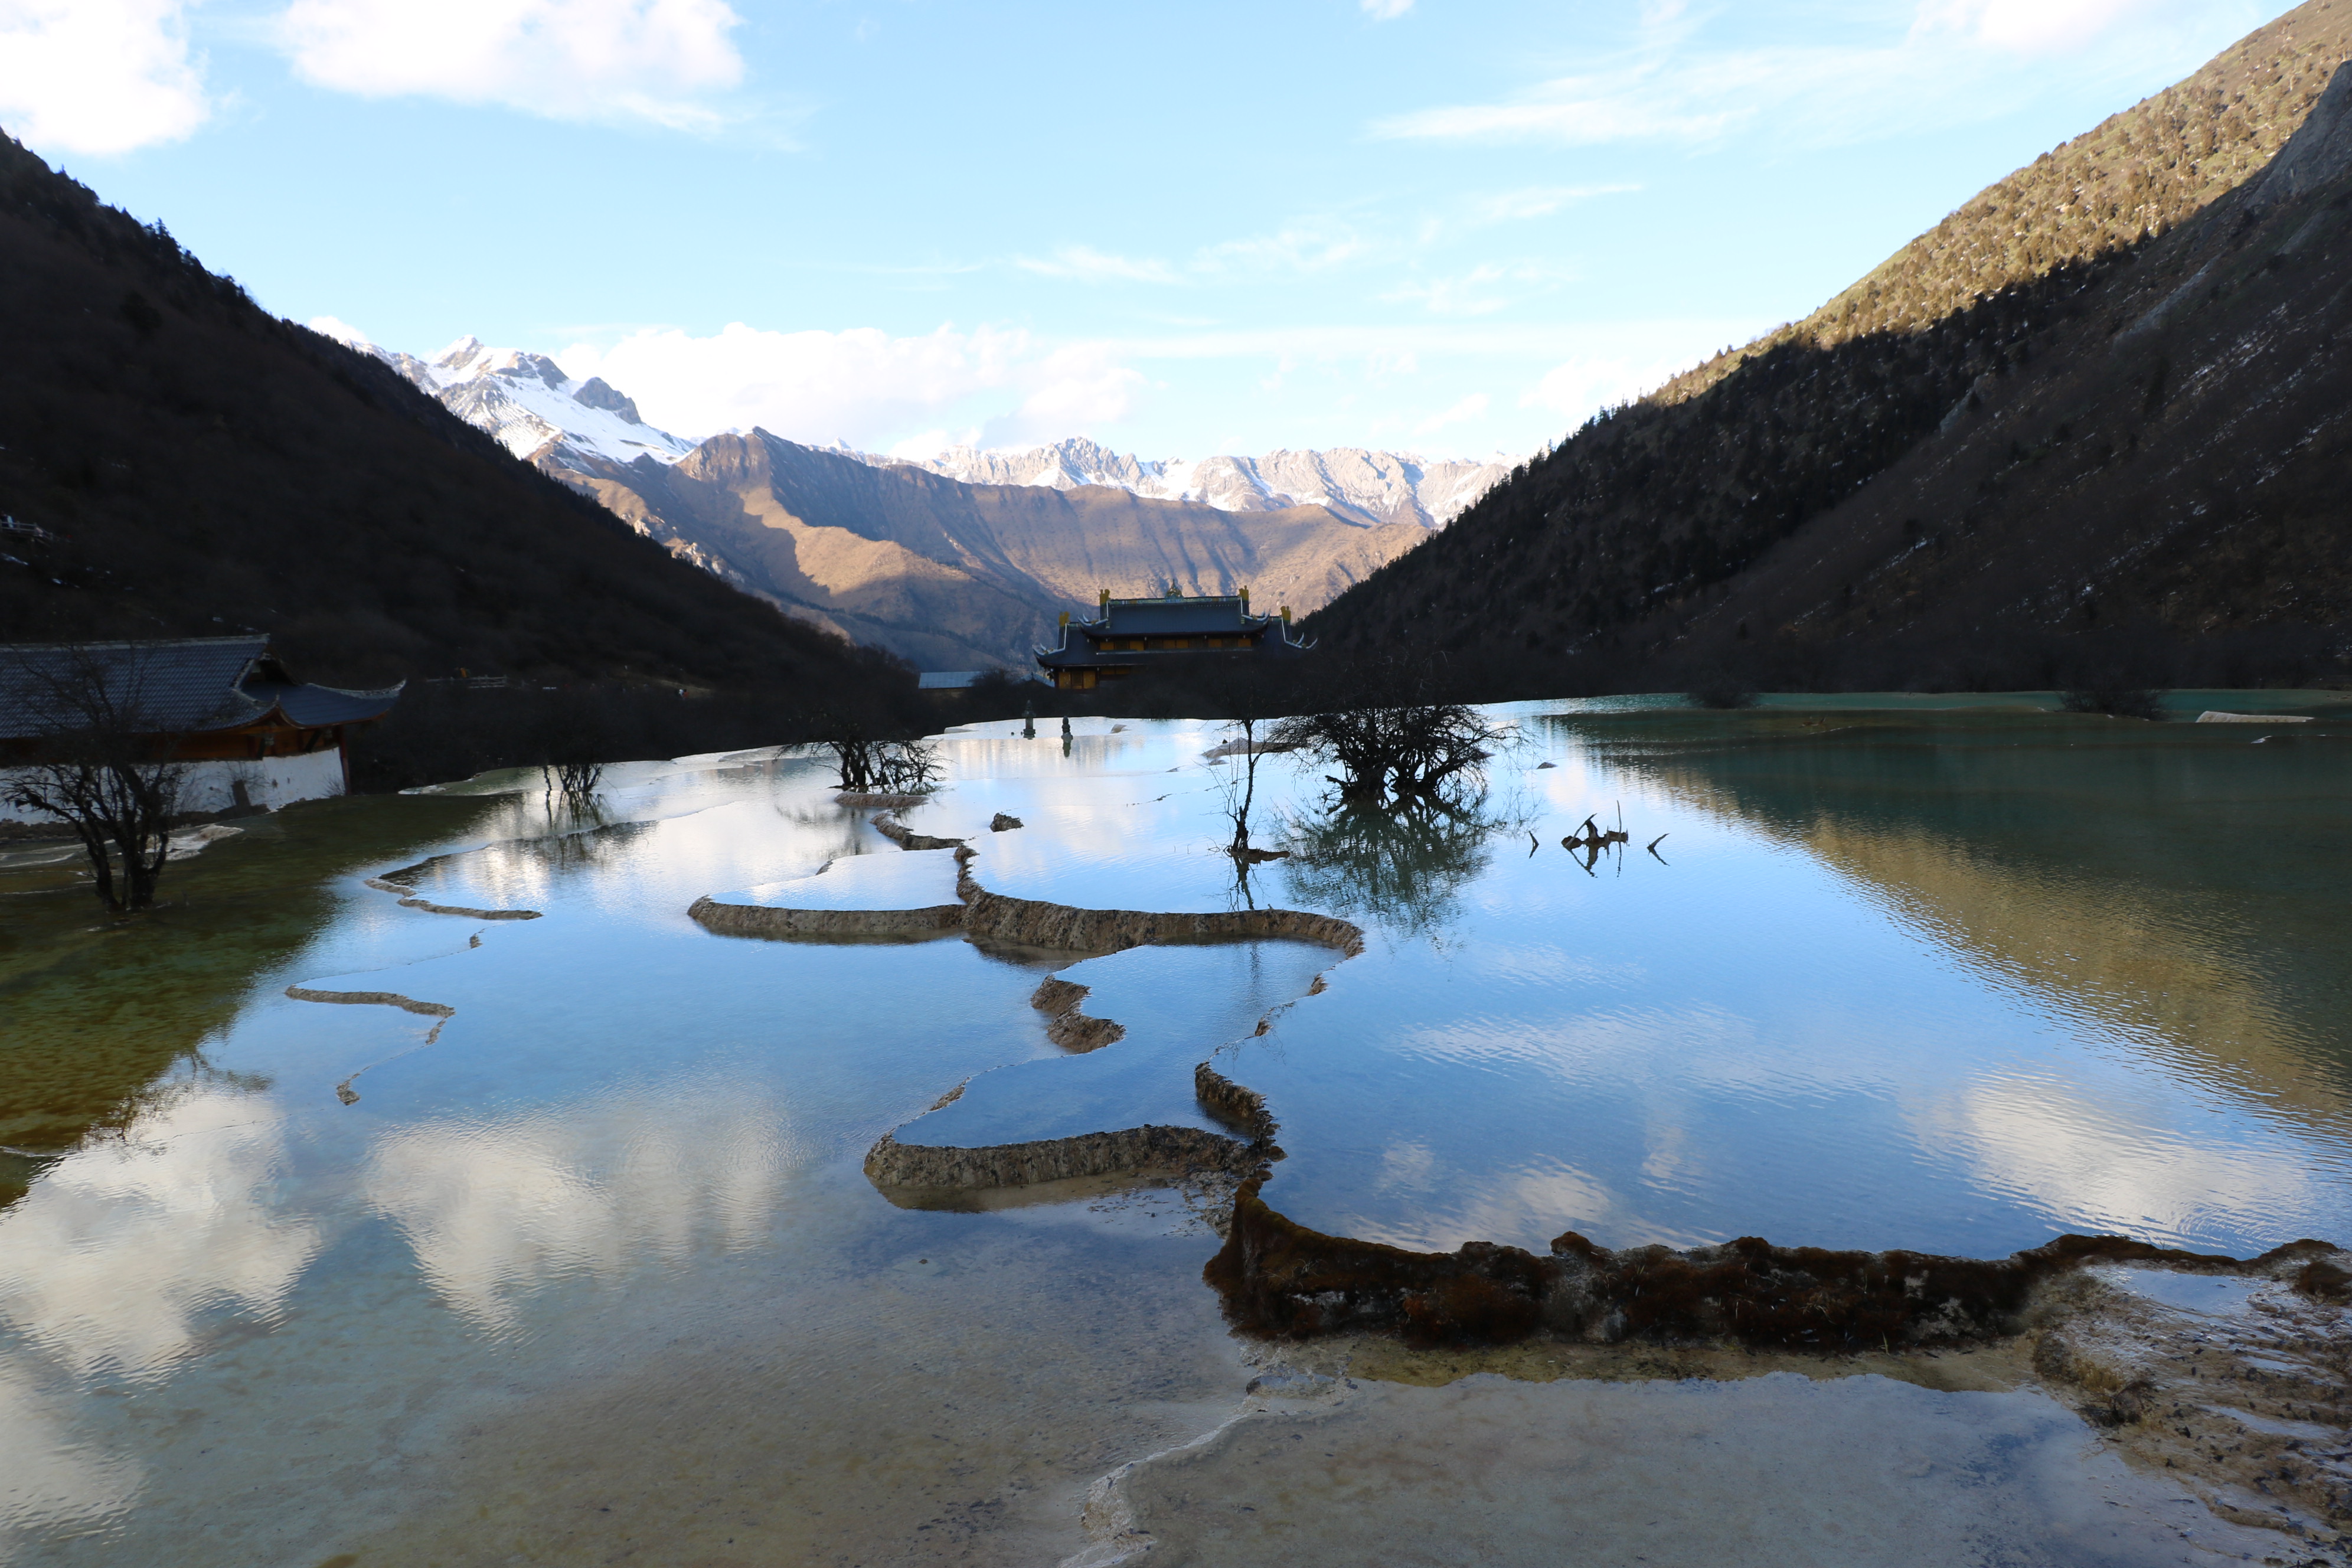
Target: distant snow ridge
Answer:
pixel 543 416
pixel 527 402
pixel 1360 484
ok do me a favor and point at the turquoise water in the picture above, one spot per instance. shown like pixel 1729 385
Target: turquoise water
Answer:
pixel 592 1267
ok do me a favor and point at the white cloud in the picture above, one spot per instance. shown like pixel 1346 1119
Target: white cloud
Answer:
pixel 1385 10
pixel 863 387
pixel 1471 407
pixel 1084 264
pixel 594 1189
pixel 97 76
pixel 568 59
pixel 994 386
pixel 929 444
pixel 2031 26
pixel 123 1248
pixel 1581 387
pixel 1540 201
pixel 49 1477
pixel 1484 289
pixel 1936 62
pixel 1080 388
pixel 342 332
pixel 1306 245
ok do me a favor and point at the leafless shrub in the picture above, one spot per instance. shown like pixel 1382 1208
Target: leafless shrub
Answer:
pixel 105 763
pixel 868 766
pixel 1390 754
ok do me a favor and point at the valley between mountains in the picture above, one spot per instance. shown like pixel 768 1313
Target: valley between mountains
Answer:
pixel 966 560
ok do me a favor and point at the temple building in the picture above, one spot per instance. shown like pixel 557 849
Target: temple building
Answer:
pixel 1129 635
pixel 249 733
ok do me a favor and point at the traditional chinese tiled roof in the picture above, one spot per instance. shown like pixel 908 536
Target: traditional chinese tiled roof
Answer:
pixel 190 686
pixel 1216 615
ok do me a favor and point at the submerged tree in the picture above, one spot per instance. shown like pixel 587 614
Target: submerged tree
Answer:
pixel 105 750
pixel 868 766
pixel 1406 865
pixel 1391 742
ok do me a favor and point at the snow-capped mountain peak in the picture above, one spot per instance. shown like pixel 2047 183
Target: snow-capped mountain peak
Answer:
pixel 526 401
pixel 1362 486
pixel 544 417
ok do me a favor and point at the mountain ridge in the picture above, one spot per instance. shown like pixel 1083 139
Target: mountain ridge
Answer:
pixel 179 462
pixel 954 575
pixel 542 413
pixel 2024 488
pixel 921 561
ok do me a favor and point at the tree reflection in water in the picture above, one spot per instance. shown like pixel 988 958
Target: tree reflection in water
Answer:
pixel 1407 866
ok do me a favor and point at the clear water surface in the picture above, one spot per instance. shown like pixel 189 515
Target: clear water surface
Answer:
pixel 592 1268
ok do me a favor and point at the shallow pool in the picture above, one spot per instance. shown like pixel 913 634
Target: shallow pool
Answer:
pixel 575 1257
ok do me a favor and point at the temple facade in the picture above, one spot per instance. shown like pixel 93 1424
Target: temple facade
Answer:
pixel 248 732
pixel 1129 635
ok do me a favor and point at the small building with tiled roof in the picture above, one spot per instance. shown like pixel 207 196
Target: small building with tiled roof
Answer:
pixel 251 734
pixel 1129 635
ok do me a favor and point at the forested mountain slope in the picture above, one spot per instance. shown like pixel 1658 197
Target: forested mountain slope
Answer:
pixel 2027 446
pixel 177 461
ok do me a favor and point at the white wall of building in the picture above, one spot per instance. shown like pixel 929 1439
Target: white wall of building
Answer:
pixel 271 782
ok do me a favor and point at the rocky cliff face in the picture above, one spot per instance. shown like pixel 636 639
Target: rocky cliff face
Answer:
pixel 954 575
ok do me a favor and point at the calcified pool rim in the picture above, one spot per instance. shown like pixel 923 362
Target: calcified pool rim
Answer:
pixel 1279 1279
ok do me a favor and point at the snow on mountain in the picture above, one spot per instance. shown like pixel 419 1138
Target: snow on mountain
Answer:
pixel 1362 486
pixel 541 416
pixel 527 402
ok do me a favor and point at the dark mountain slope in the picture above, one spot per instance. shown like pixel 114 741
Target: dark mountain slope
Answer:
pixel 201 465
pixel 2168 485
pixel 1597 562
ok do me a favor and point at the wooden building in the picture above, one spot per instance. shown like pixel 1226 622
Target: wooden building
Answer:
pixel 1129 635
pixel 251 734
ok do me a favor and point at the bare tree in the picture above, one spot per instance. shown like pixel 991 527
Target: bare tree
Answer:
pixel 868 766
pixel 1388 754
pixel 105 761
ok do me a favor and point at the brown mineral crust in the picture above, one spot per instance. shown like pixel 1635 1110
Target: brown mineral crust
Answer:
pixel 905 837
pixel 1029 922
pixel 1278 1278
pixel 760 920
pixel 401 891
pixel 373 999
pixel 2245 1408
pixel 1236 1105
pixel 1132 1150
pixel 1067 1027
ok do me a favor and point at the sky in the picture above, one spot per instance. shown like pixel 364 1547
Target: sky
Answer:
pixel 1453 227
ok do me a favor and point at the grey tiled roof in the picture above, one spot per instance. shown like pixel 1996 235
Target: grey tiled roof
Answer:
pixel 1080 646
pixel 1174 618
pixel 182 687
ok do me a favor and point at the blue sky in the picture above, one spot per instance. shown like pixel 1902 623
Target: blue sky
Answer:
pixel 1438 226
